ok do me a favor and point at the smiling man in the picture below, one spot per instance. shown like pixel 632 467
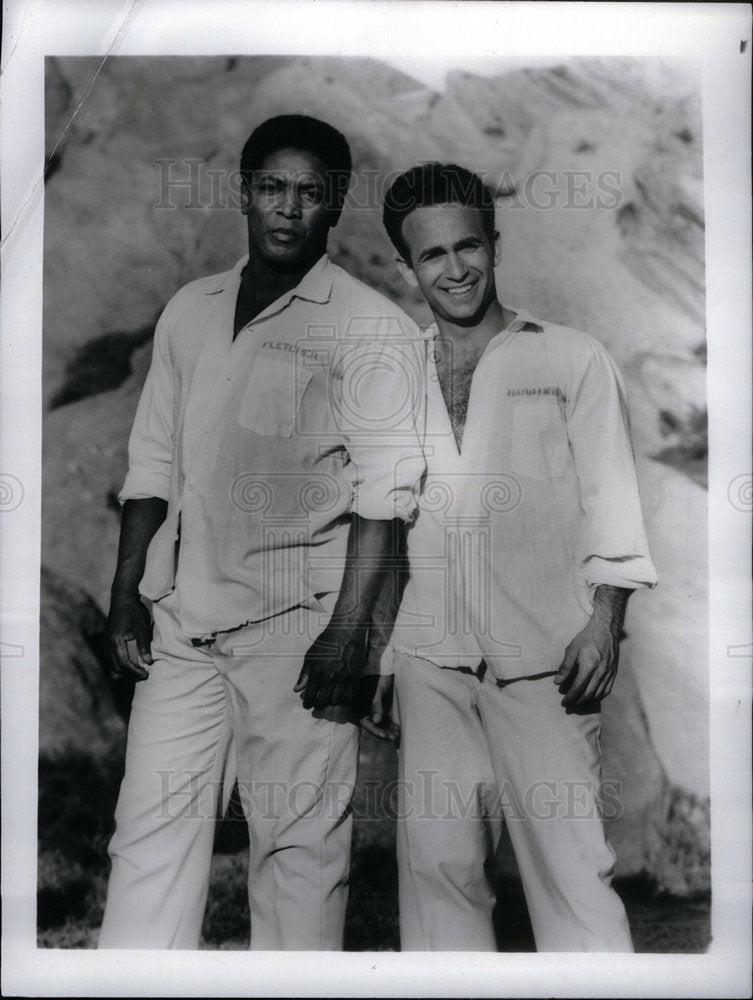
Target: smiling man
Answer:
pixel 273 460
pixel 528 541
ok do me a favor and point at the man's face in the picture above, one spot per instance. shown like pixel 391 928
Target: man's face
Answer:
pixel 451 260
pixel 287 211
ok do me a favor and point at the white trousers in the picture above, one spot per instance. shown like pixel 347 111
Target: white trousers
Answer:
pixel 474 755
pixel 204 716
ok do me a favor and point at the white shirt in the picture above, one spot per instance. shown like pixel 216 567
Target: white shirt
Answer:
pixel 542 505
pixel 263 445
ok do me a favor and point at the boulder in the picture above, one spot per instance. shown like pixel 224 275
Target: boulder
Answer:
pixel 79 711
pixel 84 462
pixel 667 628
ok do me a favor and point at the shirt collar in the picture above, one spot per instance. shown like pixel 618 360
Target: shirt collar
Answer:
pixel 522 321
pixel 228 279
pixel 315 286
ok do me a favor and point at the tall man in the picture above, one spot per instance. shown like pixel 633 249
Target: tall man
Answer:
pixel 273 458
pixel 528 542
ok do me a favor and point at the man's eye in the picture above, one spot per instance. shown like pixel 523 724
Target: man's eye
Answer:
pixel 310 195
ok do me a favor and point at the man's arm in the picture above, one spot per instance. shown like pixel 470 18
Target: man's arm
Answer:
pixel 377 407
pixel 334 663
pixel 373 706
pixel 613 549
pixel 144 495
pixel 129 629
pixel 589 666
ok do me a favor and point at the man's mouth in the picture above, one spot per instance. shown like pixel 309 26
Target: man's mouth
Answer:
pixel 460 291
pixel 283 236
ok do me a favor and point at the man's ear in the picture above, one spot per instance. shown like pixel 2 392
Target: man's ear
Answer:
pixel 244 200
pixel 333 216
pixel 497 248
pixel 407 271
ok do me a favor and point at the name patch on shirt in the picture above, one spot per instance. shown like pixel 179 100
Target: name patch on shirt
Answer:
pixel 549 390
pixel 304 352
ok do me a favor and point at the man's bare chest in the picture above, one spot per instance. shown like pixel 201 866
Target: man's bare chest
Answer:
pixel 455 372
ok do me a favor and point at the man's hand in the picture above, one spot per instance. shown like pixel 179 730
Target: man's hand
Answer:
pixel 373 707
pixel 332 667
pixel 129 636
pixel 129 627
pixel 589 666
pixel 335 662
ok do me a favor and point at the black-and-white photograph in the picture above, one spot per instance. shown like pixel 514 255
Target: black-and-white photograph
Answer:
pixel 373 565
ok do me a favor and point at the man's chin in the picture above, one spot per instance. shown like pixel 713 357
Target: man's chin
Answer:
pixel 470 316
pixel 289 260
pixel 467 313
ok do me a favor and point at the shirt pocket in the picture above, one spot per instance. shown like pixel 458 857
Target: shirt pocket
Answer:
pixel 270 403
pixel 539 446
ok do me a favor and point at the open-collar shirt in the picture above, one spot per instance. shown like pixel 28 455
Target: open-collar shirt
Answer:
pixel 538 507
pixel 265 443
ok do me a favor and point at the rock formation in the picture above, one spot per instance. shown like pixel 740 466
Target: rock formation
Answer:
pixel 79 710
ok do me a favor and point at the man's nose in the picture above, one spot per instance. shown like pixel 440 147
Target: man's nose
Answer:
pixel 456 268
pixel 290 205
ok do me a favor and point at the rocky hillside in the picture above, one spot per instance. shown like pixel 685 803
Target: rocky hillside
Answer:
pixel 597 169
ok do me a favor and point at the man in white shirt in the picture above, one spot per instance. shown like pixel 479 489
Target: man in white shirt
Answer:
pixel 273 460
pixel 528 541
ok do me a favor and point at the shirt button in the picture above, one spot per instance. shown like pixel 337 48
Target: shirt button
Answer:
pixel 189 486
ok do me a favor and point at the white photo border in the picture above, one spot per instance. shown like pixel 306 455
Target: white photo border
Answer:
pixel 416 35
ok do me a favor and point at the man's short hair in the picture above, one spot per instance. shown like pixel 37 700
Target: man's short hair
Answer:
pixel 434 184
pixel 308 135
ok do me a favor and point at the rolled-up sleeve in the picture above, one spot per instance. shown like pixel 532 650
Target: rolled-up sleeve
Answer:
pixel 379 409
pixel 150 446
pixel 613 545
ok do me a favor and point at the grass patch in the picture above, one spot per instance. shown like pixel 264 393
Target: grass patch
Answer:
pixel 227 918
pixel 662 923
pixel 77 796
pixel 371 920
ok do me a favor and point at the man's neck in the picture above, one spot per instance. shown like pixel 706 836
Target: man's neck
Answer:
pixel 263 281
pixel 473 339
pixel 261 286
